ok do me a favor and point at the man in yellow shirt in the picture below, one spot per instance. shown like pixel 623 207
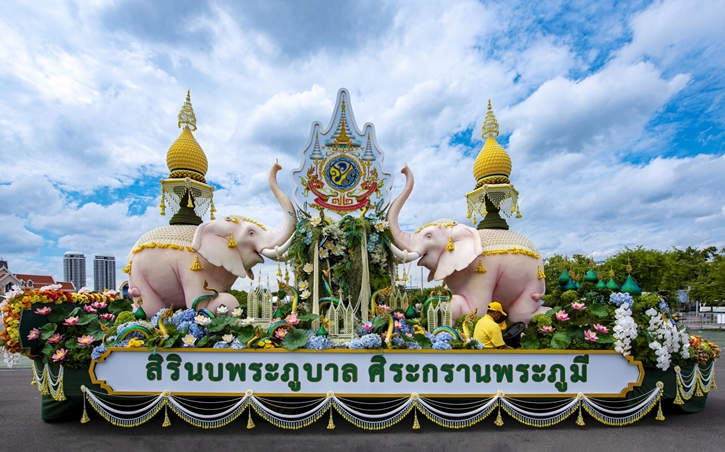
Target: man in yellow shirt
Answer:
pixel 488 332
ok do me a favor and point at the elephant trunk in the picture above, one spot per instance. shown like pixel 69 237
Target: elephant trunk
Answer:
pixel 278 237
pixel 402 239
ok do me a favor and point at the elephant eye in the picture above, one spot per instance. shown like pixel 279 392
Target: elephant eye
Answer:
pixel 428 235
pixel 251 232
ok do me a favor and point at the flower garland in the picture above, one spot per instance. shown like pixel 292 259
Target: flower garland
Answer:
pixel 625 329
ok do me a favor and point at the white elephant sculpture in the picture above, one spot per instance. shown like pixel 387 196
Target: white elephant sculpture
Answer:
pixel 478 266
pixel 170 264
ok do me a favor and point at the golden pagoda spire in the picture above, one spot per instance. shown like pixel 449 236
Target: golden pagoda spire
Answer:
pixel 186 115
pixel 490 125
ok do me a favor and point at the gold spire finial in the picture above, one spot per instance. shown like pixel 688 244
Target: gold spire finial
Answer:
pixel 629 267
pixel 186 115
pixel 490 125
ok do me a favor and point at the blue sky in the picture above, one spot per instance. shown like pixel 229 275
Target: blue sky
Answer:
pixel 613 112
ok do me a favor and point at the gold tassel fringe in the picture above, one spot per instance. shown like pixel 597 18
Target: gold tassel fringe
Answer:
pixel 196 266
pixel 331 424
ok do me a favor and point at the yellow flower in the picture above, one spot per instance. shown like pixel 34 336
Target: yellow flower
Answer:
pixel 135 343
pixel 417 329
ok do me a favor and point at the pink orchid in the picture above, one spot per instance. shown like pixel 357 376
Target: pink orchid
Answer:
pixel 601 329
pixel 98 304
pixel 562 316
pixel 578 306
pixel 86 340
pixel 59 355
pixel 107 316
pixel 368 326
pixel 589 335
pixel 89 309
pixel 292 318
pixel 70 321
pixel 280 333
pixel 547 329
pixel 34 334
pixel 398 315
pixel 55 338
pixel 45 310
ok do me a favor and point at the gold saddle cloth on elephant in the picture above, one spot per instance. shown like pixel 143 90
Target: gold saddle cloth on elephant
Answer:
pixel 176 237
pixel 502 241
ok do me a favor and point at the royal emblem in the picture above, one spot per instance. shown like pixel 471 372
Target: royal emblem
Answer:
pixel 342 170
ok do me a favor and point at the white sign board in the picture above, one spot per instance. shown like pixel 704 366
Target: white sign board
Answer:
pixel 367 373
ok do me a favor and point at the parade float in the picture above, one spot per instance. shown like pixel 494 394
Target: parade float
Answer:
pixel 336 330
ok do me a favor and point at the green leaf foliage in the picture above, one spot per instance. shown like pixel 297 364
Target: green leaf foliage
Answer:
pixel 58 314
pixel 598 310
pixel 202 342
pixel 220 322
pixel 423 341
pixel 602 339
pixel 560 341
pixel 85 319
pixel 294 339
pixel 379 322
pixel 118 306
pixel 575 331
pixel 244 333
pixel 94 329
pixel 308 317
pixel 529 342
pixel 47 330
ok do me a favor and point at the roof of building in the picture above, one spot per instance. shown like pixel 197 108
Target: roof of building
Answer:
pixel 66 285
pixel 38 280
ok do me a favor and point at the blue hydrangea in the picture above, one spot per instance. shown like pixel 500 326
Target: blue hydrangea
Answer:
pixel 98 351
pixel 617 298
pixel 398 341
pixel 318 343
pixel 183 316
pixel 123 343
pixel 440 345
pixel 221 344
pixel 404 327
pixel 412 346
pixel 236 345
pixel 444 337
pixel 183 327
pixel 197 331
pixel 355 344
pixel 371 341
pixel 155 319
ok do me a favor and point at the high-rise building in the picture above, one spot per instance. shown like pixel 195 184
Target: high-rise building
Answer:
pixel 74 268
pixel 104 272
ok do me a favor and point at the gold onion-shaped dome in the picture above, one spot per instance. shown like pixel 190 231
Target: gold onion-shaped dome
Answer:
pixel 185 157
pixel 493 164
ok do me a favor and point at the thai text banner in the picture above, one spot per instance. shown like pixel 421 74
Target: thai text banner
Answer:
pixel 366 373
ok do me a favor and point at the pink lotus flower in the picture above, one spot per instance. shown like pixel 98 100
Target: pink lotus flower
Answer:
pixel 70 321
pixel 86 340
pixel 280 333
pixel 589 335
pixel 292 318
pixel 55 338
pixel 601 329
pixel 578 306
pixel 396 325
pixel 410 335
pixel 368 327
pixel 45 310
pixel 59 355
pixel 107 316
pixel 384 307
pixel 562 316
pixel 547 329
pixel 34 334
pixel 398 315
pixel 99 304
pixel 89 309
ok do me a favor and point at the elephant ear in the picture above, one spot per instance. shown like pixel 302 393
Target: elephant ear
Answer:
pixel 211 241
pixel 467 247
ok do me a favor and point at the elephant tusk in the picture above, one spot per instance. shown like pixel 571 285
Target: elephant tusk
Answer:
pixel 278 253
pixel 404 255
